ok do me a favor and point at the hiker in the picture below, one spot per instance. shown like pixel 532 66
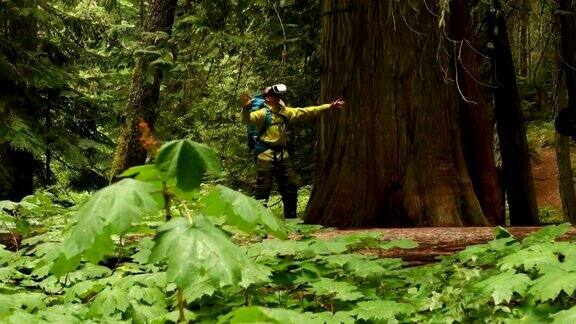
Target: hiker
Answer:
pixel 270 120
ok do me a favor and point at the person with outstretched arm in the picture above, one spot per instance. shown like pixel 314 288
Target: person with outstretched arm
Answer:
pixel 272 158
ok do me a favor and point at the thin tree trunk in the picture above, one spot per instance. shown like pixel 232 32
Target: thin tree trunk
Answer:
pixel 143 94
pixel 516 165
pixel 524 22
pixel 567 19
pixel 476 125
pixel 394 155
pixel 565 178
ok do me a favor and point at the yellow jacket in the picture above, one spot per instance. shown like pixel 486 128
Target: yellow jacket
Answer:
pixel 275 133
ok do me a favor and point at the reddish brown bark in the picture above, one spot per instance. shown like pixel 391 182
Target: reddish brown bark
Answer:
pixel 567 18
pixel 475 110
pixel 394 156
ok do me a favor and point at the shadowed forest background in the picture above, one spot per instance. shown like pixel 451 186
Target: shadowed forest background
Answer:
pixel 450 122
pixel 78 78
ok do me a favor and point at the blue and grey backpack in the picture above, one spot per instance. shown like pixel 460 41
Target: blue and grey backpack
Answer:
pixel 254 143
pixel 258 102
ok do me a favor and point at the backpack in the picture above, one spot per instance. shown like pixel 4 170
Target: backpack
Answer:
pixel 253 134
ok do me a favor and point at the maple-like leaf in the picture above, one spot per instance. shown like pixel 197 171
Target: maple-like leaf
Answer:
pixel 242 211
pixel 381 310
pixel 337 289
pixel 199 248
pixel 552 283
pixel 501 287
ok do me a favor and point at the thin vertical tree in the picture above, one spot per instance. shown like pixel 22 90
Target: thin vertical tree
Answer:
pixel 475 110
pixel 516 165
pixel 145 91
pixel 567 55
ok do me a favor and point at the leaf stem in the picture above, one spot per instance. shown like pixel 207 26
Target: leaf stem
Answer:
pixel 167 203
pixel 246 297
pixel 188 213
pixel 182 318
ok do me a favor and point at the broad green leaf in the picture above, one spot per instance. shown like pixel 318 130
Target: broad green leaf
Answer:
pixel 145 172
pixel 8 205
pixel 534 256
pixel 361 266
pixel 140 313
pixel 26 300
pixel 195 249
pixel 502 286
pixel 174 316
pixel 81 289
pixel 256 314
pixel 5 255
pixel 202 286
pixel 337 289
pixel 275 247
pixel 381 310
pixel 552 283
pixel 144 248
pixel 111 210
pixel 565 316
pixel 242 211
pixel 322 247
pixel 109 301
pixel 187 162
pixel 329 318
pixel 546 234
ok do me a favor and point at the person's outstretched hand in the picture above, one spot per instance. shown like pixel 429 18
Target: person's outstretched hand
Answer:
pixel 245 100
pixel 338 104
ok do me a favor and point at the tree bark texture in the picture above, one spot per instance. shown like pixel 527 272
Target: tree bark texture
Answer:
pixel 394 155
pixel 517 170
pixel 144 94
pixel 565 178
pixel 567 17
pixel 475 112
pixel 523 42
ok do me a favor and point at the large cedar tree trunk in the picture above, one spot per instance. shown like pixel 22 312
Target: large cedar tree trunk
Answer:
pixel 145 90
pixel 567 17
pixel 516 166
pixel 394 155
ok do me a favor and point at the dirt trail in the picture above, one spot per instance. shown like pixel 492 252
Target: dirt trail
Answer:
pixel 545 174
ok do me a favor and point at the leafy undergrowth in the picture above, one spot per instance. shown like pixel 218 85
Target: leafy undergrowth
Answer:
pixel 222 257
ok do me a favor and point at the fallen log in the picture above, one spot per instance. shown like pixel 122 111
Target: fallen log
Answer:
pixel 435 242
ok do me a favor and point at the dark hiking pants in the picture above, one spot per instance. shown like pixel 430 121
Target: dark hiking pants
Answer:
pixel 287 185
